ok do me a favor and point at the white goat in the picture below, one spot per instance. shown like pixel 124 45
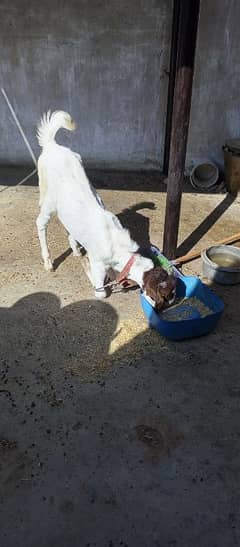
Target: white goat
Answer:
pixel 65 190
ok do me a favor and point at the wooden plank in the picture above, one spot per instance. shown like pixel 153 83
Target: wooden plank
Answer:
pixel 196 254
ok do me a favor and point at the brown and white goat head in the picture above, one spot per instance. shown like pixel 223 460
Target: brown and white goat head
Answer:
pixel 159 287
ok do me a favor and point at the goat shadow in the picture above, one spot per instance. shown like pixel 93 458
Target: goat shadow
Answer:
pixel 137 223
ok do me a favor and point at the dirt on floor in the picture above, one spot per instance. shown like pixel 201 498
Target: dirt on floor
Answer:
pixel 110 434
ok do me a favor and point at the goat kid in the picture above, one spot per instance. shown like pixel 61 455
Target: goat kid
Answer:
pixel 66 191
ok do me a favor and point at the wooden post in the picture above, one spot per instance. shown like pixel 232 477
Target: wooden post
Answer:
pixel 186 43
pixel 171 84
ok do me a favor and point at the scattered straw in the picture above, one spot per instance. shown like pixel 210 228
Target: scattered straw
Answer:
pixel 131 341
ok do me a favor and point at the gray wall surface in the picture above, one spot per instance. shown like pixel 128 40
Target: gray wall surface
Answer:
pixel 104 62
pixel 215 114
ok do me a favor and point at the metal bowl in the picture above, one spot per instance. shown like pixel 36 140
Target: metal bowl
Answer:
pixel 204 175
pixel 221 263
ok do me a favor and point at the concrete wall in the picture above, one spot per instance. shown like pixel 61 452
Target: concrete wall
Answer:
pixel 103 61
pixel 215 114
pixel 106 63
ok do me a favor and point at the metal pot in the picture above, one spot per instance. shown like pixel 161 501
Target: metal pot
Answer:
pixel 221 264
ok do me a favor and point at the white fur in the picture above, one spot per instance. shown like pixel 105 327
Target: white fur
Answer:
pixel 66 190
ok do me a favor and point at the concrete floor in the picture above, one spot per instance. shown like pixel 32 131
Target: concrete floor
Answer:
pixel 110 435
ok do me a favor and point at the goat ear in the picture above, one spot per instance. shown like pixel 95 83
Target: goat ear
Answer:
pixel 159 301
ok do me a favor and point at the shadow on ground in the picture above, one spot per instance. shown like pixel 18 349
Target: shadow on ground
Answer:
pixel 137 223
pixel 132 181
pixel 206 225
pixel 107 450
pixel 114 179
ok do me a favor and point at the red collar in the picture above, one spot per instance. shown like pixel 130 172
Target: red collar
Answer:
pixel 122 276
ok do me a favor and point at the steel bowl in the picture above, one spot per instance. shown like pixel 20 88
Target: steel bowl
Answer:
pixel 221 263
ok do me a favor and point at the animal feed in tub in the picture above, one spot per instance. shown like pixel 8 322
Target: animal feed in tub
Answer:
pixel 186 308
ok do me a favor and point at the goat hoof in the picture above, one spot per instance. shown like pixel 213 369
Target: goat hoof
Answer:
pixel 48 265
pixel 100 294
pixel 77 252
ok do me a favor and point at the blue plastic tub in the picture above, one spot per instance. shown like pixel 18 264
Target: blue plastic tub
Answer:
pixel 187 286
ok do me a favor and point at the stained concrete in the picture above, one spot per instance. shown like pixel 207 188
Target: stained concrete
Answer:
pixel 107 63
pixel 215 114
pixel 104 62
pixel 109 434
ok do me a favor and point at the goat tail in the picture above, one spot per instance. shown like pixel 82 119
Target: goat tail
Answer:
pixel 50 123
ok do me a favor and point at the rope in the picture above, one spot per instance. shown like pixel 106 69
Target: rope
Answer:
pixel 19 126
pixel 17 122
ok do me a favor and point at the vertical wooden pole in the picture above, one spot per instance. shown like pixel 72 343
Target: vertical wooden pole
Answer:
pixel 171 84
pixel 186 43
